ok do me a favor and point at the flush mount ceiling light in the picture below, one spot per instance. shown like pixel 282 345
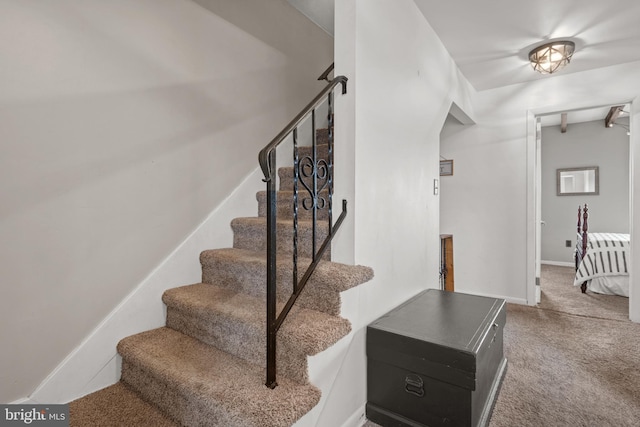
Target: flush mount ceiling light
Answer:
pixel 550 57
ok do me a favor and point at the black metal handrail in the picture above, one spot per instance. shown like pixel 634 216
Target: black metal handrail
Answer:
pixel 325 75
pixel 320 172
pixel 263 156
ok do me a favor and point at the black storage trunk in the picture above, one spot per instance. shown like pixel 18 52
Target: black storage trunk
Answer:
pixel 436 360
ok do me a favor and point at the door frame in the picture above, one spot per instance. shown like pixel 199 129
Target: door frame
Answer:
pixel 533 216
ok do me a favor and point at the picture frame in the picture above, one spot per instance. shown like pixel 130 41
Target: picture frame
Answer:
pixel 446 167
pixel 581 181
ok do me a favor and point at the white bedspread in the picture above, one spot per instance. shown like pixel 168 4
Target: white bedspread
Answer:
pixel 607 263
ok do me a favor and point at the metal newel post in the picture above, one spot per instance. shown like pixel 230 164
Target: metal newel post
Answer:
pixel 271 272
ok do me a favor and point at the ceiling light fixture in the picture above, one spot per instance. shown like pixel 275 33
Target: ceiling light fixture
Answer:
pixel 550 57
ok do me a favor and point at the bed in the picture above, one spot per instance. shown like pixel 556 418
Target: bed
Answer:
pixel 601 259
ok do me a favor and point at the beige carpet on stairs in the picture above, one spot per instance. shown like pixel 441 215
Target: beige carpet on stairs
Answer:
pixel 206 366
pixel 116 405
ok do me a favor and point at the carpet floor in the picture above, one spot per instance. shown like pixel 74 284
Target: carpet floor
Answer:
pixel 558 294
pixel 573 360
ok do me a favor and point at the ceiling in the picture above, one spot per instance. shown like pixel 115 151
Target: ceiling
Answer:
pixel 490 40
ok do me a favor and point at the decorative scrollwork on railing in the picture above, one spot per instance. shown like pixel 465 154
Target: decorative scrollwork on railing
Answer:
pixel 314 177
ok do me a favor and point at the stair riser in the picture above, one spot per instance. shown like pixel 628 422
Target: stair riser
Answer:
pixel 252 279
pixel 244 341
pixel 254 237
pixel 322 136
pixel 285 175
pixel 182 408
pixel 284 206
pixel 322 151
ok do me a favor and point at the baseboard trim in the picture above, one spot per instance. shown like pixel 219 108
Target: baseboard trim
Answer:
pixel 510 300
pixel 94 364
pixel 357 419
pixel 23 401
pixel 558 263
pixel 381 415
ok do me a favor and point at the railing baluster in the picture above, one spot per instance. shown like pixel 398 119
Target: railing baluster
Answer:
pixel 330 157
pixel 314 159
pixel 296 176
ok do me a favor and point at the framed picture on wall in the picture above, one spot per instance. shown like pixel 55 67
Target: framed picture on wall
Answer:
pixel 577 181
pixel 446 167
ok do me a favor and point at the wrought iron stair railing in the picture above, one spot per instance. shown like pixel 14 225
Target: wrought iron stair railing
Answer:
pixel 316 176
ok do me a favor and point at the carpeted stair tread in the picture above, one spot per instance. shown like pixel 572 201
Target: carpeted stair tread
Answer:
pixel 333 275
pixel 245 271
pixel 236 323
pixel 116 405
pixel 199 385
pixel 250 233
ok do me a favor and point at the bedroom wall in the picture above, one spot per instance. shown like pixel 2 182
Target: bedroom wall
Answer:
pixel 123 125
pixel 584 144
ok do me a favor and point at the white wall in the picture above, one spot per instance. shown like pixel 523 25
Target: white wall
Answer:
pixel 489 198
pixel 122 126
pixel 392 115
pixel 584 144
pixel 479 206
pixel 119 136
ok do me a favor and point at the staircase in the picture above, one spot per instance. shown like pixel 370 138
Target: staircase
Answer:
pixel 206 367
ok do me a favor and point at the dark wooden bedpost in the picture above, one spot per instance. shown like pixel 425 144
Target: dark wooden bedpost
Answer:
pixel 577 257
pixel 585 228
pixel 585 238
pixel 579 219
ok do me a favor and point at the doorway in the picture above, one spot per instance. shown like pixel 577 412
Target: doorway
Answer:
pixel 456 121
pixel 541 180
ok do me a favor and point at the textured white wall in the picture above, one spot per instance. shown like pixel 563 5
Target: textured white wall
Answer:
pixel 122 126
pixel 584 144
